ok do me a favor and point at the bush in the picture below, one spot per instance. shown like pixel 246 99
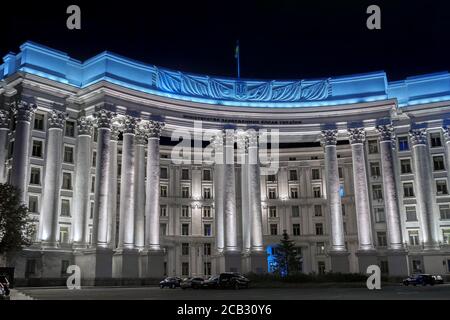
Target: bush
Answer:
pixel 308 278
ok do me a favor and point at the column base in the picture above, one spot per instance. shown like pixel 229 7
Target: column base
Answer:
pixel 151 264
pixel 232 261
pixel 219 262
pixel 125 264
pixel 365 259
pixel 339 261
pixel 255 262
pixel 95 265
pixel 398 263
pixel 434 263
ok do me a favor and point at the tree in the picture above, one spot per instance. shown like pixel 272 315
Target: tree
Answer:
pixel 286 256
pixel 16 228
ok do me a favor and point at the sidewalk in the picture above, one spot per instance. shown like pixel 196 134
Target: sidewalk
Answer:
pixel 17 295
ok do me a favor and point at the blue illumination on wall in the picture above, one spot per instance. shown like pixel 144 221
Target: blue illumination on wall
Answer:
pixel 341 191
pixel 58 66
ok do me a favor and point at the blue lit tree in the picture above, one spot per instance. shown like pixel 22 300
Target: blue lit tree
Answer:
pixel 286 261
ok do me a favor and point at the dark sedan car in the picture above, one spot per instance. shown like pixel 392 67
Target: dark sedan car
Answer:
pixel 170 282
pixel 227 280
pixel 194 283
pixel 421 279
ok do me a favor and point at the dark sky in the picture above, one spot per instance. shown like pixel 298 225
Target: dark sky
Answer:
pixel 278 39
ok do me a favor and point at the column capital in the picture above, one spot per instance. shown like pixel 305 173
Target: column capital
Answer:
pixel 154 128
pixel 24 111
pixel 386 132
pixel 56 119
pixel 85 126
pixel 418 136
pixel 253 137
pixel 4 119
pixel 328 137
pixel 242 139
pixel 446 132
pixel 357 135
pixel 115 132
pixel 104 118
pixel 217 141
pixel 129 124
pixel 141 136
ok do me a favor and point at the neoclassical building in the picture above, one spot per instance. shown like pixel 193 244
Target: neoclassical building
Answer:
pixel 134 171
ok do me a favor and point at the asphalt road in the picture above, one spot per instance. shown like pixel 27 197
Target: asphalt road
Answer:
pixel 155 293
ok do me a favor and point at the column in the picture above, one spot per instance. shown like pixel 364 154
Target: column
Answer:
pixel 366 253
pixel 139 213
pixel 48 230
pixel 258 256
pixel 242 143
pixel 446 132
pixel 217 143
pixel 424 189
pixel 338 252
pixel 152 262
pixel 4 130
pixel 19 171
pixel 81 187
pixel 112 196
pixel 397 258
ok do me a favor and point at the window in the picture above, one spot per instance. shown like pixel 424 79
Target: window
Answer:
pixel 273 229
pixel 185 211
pixel 293 175
pixel 441 187
pixel 316 192
pixel 413 237
pixel 384 267
pixel 292 159
pixel 163 191
pixel 321 267
pixel 185 192
pixel 207 268
pixel 163 211
pixel 403 144
pixel 405 166
pixel 343 209
pixel 207 232
pixel 295 211
pixel 446 236
pixel 68 154
pixel 444 210
pixel 272 193
pixel 207 249
pixel 206 212
pixel 162 229
pixel 33 204
pixel 317 210
pixel 375 169
pixel 64 235
pixel 67 181
pixel 185 229
pixel 296 229
pixel 65 208
pixel 377 194
pixel 37 149
pixel 64 265
pixel 163 173
pixel 184 174
pixel 320 248
pixel 70 129
pixel 417 266
pixel 90 235
pixel 38 122
pixel 91 215
pixel 35 176
pixel 93 184
pixel 315 174
pixel 207 175
pixel 379 215
pixel 411 214
pixel 438 163
pixel 408 190
pixel 435 139
pixel 207 193
pixel 341 173
pixel 272 178
pixel 94 159
pixel 272 212
pixel 185 268
pixel 381 239
pixel 294 193
pixel 319 229
pixel 30 267
pixel 373 146
pixel 185 249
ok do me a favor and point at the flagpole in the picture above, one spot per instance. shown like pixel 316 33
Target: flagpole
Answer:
pixel 238 54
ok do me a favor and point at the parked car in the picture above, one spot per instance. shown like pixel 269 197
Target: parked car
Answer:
pixel 422 279
pixel 438 279
pixel 227 280
pixel 170 282
pixel 193 283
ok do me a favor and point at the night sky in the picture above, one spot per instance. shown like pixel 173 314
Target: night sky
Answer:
pixel 281 39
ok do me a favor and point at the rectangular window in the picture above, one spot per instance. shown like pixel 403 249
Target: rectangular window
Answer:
pixel 296 229
pixel 438 163
pixel 163 173
pixel 206 175
pixel 162 229
pixel 185 268
pixel 375 169
pixel 315 174
pixel 163 191
pixel 377 193
pixel 414 237
pixel 272 212
pixel 319 229
pixel 343 209
pixel 316 192
pixel 38 122
pixel 185 229
pixel 35 176
pixel 403 144
pixel 207 230
pixel 408 190
pixel 272 178
pixel 70 129
pixel 295 211
pixel 185 249
pixel 91 215
pixel 381 239
pixel 185 192
pixel 341 173
pixel 94 158
pixel 321 267
pixel 293 175
pixel 441 187
pixel 273 229
pixel 317 210
pixel 272 193
pixel 411 213
pixel 444 210
pixel 294 193
pixel 64 265
pixel 65 208
pixel 446 236
pixel 33 204
pixel 405 166
pixel 417 266
pixel 207 193
pixel 30 267
pixel 206 212
pixel 373 146
pixel 435 139
pixel 207 249
pixel 320 248
pixel 67 181
pixel 384 267
pixel 64 235
pixel 93 184
pixel 185 211
pixel 163 211
pixel 68 154
pixel 207 268
pixel 184 174
pixel 37 149
pixel 379 215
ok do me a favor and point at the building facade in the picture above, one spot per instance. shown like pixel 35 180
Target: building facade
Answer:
pixel 132 171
